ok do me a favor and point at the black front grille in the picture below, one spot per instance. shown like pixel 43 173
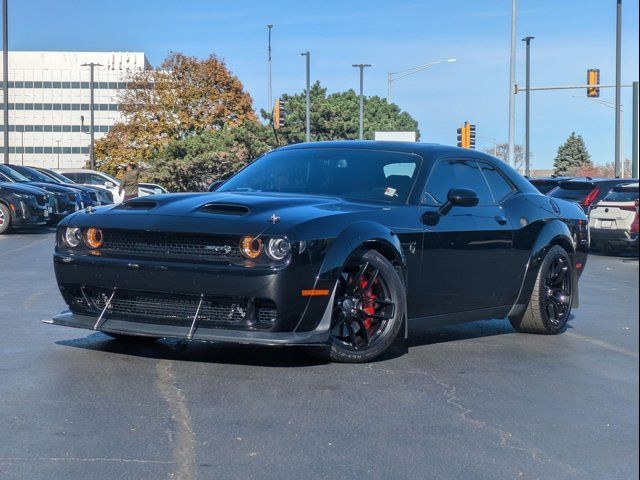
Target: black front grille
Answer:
pixel 171 245
pixel 179 310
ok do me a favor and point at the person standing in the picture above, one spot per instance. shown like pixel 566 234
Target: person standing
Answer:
pixel 129 182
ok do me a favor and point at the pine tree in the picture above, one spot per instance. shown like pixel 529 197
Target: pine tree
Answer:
pixel 572 155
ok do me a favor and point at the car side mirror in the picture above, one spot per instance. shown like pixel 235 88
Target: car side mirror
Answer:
pixel 215 185
pixel 109 185
pixel 460 197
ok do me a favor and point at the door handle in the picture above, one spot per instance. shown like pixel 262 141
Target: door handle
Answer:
pixel 501 219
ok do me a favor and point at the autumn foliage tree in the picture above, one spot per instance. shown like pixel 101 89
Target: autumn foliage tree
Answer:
pixel 182 97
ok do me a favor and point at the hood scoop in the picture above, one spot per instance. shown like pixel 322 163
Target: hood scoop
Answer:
pixel 138 205
pixel 224 209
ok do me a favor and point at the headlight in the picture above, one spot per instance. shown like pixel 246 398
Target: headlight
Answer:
pixel 251 247
pixel 72 237
pixel 278 248
pixel 22 195
pixel 93 238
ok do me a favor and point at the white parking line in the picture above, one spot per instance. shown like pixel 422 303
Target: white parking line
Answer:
pixel 600 343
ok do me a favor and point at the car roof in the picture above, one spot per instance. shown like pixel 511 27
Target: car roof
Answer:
pixel 75 170
pixel 548 179
pixel 405 147
pixel 602 179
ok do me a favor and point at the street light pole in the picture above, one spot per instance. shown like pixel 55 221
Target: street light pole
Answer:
pixel 618 156
pixel 308 96
pixel 361 66
pixel 91 111
pixel 5 78
pixel 512 83
pixel 269 91
pixel 410 71
pixel 527 144
pixel 58 150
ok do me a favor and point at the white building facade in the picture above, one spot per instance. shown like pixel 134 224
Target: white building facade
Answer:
pixel 49 103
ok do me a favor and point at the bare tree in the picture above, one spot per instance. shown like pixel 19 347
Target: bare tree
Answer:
pixel 502 150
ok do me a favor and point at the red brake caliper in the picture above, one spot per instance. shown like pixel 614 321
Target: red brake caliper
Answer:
pixel 368 302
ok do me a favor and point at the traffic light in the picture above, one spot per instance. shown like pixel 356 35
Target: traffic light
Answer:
pixel 467 136
pixel 593 78
pixel 278 113
pixel 471 133
pixel 463 138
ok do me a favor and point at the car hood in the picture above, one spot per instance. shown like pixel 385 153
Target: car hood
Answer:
pixel 20 188
pixel 219 212
pixel 53 187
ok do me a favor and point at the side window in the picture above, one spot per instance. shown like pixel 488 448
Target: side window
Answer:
pixel 500 187
pixel 76 177
pixel 97 179
pixel 448 174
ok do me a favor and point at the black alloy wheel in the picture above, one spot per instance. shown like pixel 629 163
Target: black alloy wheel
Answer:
pixel 368 309
pixel 550 303
pixel 557 286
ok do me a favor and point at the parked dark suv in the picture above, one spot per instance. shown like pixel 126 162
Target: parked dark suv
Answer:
pixel 545 184
pixel 587 191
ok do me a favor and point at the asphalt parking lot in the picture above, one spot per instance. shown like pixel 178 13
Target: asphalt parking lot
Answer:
pixel 477 401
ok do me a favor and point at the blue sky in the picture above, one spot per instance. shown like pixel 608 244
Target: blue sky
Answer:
pixel 571 36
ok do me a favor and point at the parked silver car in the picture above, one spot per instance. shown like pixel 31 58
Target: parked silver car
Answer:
pixel 611 219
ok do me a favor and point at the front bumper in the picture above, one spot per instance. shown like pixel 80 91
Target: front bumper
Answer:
pixel 317 337
pixel 29 214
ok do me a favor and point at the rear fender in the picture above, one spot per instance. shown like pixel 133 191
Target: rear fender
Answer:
pixel 556 232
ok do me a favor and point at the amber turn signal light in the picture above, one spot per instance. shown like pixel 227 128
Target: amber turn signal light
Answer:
pixel 251 247
pixel 93 238
pixel 315 293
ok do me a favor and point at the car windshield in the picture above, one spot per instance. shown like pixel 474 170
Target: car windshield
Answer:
pixel 32 174
pixel 349 173
pixel 56 177
pixel 13 175
pixel 622 194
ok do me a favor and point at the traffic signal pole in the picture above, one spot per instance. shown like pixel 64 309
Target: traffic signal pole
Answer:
pixel 617 150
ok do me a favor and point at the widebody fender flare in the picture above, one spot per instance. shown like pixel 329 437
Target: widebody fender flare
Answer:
pixel 355 238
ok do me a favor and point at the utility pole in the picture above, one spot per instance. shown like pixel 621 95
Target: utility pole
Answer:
pixel 361 66
pixel 527 144
pixel 618 153
pixel 5 78
pixel 512 83
pixel 269 91
pixel 308 95
pixel 634 134
pixel 91 111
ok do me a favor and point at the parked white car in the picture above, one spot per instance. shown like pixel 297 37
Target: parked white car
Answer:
pixel 611 220
pixel 92 177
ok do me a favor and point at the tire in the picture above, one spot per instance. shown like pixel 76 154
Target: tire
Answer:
pixel 551 299
pixel 5 219
pixel 610 250
pixel 367 330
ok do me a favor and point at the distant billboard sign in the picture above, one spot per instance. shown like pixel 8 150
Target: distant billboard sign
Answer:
pixel 395 136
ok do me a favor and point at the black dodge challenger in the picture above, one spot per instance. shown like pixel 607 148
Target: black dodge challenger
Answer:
pixel 333 244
